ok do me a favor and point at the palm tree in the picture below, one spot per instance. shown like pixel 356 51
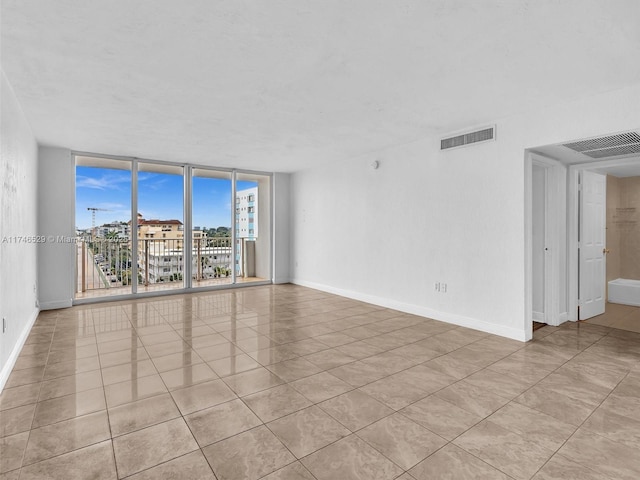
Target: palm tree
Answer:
pixel 112 235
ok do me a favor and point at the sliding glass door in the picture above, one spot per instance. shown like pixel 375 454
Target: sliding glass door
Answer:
pixel 147 226
pixel 212 228
pixel 103 227
pixel 161 233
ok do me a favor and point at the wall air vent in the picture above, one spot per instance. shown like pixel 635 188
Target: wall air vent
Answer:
pixel 611 146
pixel 469 138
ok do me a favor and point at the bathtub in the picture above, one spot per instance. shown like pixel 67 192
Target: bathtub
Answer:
pixel 625 291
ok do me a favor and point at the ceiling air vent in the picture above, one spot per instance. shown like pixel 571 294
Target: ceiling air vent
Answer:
pixel 611 146
pixel 469 138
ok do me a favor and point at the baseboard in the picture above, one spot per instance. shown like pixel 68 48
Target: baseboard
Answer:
pixel 56 304
pixel 538 317
pixel 281 280
pixel 11 361
pixel 454 319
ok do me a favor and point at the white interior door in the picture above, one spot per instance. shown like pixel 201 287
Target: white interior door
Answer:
pixel 592 244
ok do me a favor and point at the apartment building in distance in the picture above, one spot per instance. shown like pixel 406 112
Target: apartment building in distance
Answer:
pixel 247 213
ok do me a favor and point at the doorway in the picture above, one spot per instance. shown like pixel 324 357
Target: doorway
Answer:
pixel 607 170
pixel 567 270
pixel 546 250
pixel 622 309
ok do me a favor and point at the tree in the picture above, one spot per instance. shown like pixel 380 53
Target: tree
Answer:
pixel 222 232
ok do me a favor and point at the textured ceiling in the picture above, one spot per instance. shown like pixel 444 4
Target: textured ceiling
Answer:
pixel 285 84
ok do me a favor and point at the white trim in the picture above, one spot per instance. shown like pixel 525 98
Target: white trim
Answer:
pixel 17 348
pixel 234 232
pixel 80 153
pixel 56 304
pixel 187 231
pixel 474 323
pixel 273 235
pixel 281 280
pixel 619 162
pixel 528 242
pixel 72 251
pixel 272 226
pixel 134 227
pixel 572 235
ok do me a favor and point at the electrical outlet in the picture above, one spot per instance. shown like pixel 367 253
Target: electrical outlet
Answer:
pixel 444 288
pixel 437 286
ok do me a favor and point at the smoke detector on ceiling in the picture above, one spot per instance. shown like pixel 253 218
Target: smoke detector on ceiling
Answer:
pixel 627 143
pixel 470 137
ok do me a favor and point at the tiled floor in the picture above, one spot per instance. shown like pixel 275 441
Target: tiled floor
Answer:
pixel 619 316
pixel 284 382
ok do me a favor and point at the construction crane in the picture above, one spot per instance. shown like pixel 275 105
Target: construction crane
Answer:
pixel 93 217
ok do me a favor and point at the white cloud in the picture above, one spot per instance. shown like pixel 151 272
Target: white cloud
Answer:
pixel 113 181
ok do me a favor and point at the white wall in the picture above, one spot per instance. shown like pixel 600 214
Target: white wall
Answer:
pixel 425 216
pixel 281 226
pixel 56 203
pixel 18 259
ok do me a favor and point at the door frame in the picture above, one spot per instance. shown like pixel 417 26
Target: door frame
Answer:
pixel 555 239
pixel 573 223
pixel 546 240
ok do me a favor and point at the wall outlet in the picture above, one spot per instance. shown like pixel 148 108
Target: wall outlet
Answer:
pixel 444 288
pixel 437 286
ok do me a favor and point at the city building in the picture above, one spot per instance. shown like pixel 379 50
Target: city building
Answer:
pixel 160 263
pixel 121 229
pixel 160 229
pixel 247 213
pixel 433 177
pixel 161 248
pixel 247 231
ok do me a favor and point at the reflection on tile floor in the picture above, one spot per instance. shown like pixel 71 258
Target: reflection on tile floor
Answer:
pixel 616 315
pixel 284 382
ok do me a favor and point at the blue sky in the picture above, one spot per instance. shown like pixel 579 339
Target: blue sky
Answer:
pixel 159 196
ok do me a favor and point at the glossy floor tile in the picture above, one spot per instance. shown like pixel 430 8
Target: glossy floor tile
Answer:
pixel 288 383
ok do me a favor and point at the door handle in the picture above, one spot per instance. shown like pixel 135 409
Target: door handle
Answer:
pixel 605 251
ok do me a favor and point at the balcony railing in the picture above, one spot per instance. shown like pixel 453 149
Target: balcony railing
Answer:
pixel 103 263
pixel 106 263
